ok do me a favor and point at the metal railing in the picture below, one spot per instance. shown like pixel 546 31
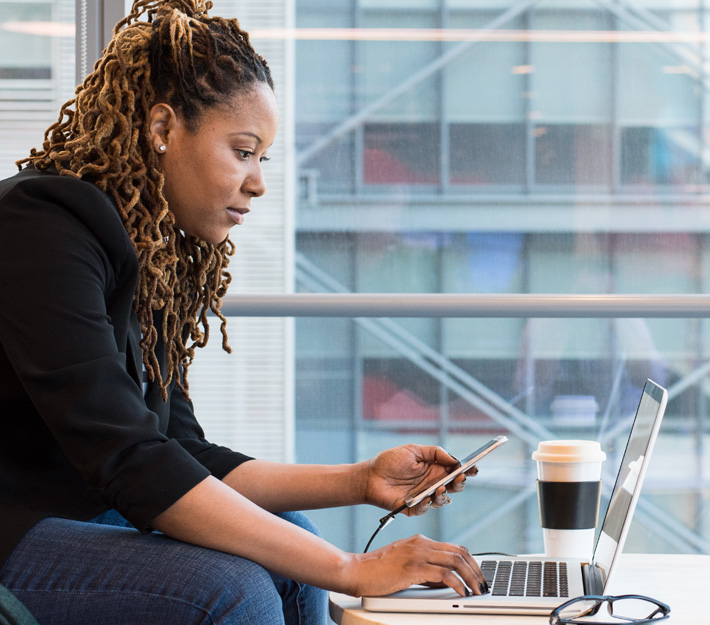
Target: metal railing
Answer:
pixel 465 305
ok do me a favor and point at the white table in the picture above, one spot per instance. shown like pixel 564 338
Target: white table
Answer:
pixel 681 581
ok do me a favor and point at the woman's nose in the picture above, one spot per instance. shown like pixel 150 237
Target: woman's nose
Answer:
pixel 255 184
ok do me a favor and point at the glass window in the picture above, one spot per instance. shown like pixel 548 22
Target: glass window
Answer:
pixel 390 63
pixel 560 149
pixel 486 82
pixel 35 83
pixel 578 155
pixel 483 263
pixel 487 154
pixel 571 78
pixel 401 154
pixel 26 26
pixel 571 99
pixel 325 68
pixel 659 156
pixel 332 169
pixel 661 141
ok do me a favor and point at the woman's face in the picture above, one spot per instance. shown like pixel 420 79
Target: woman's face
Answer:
pixel 213 173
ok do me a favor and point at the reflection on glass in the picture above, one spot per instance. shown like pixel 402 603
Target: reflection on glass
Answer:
pixel 660 156
pixel 487 154
pixel 401 154
pixel 570 155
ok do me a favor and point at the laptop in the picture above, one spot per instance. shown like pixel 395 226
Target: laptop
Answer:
pixel 537 585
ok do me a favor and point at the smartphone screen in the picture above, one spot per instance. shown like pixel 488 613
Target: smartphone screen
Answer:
pixel 465 465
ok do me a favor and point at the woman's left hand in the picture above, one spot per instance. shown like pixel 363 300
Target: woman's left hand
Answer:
pixel 401 472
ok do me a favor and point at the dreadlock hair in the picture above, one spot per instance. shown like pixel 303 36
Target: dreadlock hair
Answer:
pixel 182 56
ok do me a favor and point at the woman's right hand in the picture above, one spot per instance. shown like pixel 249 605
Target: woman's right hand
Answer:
pixel 414 560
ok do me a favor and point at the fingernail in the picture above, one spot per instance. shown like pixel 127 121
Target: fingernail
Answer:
pixel 468 592
pixel 482 588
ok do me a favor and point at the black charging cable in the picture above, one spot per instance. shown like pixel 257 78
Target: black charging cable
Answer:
pixel 384 522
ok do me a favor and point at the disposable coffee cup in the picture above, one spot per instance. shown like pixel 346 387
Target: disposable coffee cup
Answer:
pixel 569 491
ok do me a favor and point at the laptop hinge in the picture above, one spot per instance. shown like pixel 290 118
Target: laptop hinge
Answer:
pixel 593 579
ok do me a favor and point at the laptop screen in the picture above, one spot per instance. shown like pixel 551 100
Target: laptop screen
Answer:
pixel 630 476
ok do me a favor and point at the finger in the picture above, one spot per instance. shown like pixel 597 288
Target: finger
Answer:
pixel 421 508
pixel 440 498
pixel 453 581
pixel 437 455
pixel 434 584
pixel 457 485
pixel 466 567
pixel 457 559
pixel 473 471
pixel 440 577
pixel 471 561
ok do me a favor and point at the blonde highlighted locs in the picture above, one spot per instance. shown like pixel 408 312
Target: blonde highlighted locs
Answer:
pixel 182 56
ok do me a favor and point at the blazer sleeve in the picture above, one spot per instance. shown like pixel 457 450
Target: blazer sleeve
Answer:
pixel 185 428
pixel 64 258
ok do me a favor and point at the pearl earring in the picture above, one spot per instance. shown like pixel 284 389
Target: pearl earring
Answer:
pixel 162 148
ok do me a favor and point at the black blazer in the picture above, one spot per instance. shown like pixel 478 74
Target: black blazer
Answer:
pixel 77 435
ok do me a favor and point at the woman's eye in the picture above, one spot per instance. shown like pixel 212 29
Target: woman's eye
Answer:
pixel 245 154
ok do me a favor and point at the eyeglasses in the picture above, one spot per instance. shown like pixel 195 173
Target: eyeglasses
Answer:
pixel 635 609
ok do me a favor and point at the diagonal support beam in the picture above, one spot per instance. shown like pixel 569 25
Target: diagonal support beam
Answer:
pixel 644 20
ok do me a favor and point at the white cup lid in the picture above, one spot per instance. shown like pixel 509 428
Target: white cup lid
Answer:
pixel 569 451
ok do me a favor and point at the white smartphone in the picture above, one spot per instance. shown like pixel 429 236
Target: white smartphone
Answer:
pixel 465 465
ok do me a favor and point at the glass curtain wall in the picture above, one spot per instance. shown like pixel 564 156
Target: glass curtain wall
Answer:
pixel 504 147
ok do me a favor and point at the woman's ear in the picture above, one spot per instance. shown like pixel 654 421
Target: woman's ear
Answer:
pixel 162 122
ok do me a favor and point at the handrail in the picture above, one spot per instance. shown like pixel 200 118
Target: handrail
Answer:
pixel 465 305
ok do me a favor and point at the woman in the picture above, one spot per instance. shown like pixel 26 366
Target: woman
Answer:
pixel 113 248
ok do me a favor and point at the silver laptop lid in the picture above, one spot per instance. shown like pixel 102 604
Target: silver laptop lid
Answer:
pixel 629 479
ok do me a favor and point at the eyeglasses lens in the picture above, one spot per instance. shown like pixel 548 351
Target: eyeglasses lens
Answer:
pixel 631 609
pixel 581 611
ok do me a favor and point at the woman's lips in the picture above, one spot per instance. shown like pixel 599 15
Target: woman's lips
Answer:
pixel 237 214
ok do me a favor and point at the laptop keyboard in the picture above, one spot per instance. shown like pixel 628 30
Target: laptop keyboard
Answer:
pixel 526 578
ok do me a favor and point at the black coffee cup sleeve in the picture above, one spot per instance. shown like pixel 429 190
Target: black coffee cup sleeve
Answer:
pixel 568 505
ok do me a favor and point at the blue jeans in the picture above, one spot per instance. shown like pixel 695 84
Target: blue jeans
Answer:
pixel 104 571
